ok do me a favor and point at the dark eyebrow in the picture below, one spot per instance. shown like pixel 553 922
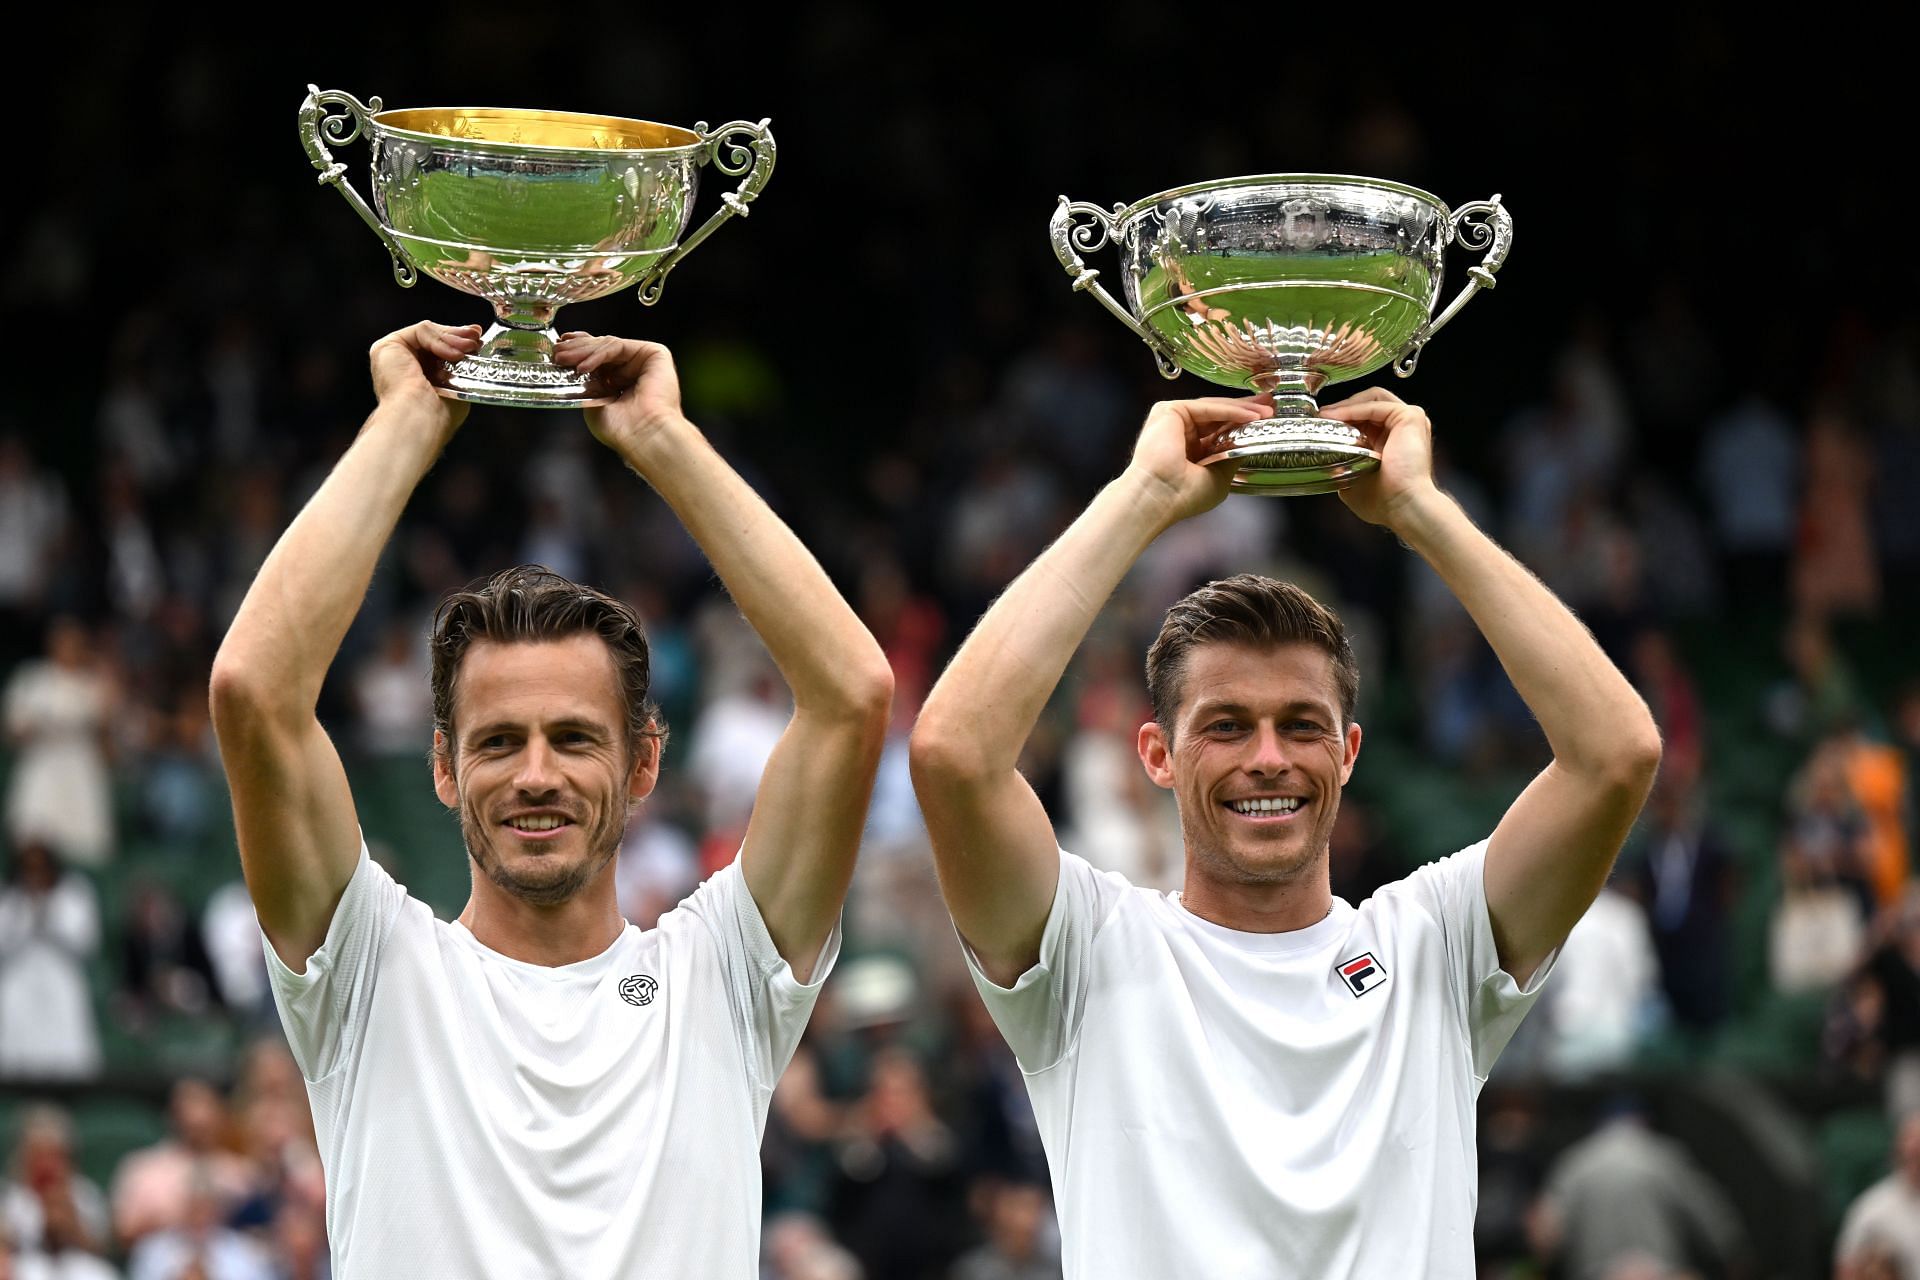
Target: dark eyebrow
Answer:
pixel 1207 708
pixel 562 725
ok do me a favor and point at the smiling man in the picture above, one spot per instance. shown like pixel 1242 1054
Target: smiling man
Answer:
pixel 540 1088
pixel 1251 1077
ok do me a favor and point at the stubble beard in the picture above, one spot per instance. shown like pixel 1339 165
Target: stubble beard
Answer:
pixel 550 884
pixel 1206 850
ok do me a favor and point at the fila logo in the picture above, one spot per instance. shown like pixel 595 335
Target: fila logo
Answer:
pixel 1362 973
pixel 638 989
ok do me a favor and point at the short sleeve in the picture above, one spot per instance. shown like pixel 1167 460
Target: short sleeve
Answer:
pixel 1040 1013
pixel 1454 890
pixel 324 1009
pixel 770 1005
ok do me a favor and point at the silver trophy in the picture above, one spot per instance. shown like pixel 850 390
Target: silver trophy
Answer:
pixel 531 210
pixel 1283 284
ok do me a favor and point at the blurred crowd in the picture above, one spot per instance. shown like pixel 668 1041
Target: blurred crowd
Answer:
pixel 1742 536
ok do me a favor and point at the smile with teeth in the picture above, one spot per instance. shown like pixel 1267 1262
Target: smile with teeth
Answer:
pixel 537 822
pixel 1266 804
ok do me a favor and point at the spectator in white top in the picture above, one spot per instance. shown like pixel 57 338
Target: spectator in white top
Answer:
pixel 1249 1077
pixel 539 1088
pixel 49 931
pixel 1886 1217
pixel 56 716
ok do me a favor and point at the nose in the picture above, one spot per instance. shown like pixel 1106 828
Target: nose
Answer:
pixel 539 771
pixel 1268 758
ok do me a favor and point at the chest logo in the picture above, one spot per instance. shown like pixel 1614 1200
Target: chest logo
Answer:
pixel 638 989
pixel 1362 973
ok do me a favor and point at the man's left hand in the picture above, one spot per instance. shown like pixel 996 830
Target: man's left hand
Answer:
pixel 1404 438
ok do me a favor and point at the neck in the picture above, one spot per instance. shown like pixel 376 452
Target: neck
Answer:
pixel 1260 908
pixel 565 933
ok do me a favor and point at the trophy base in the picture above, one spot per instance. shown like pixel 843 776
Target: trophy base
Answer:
pixel 1293 457
pixel 515 368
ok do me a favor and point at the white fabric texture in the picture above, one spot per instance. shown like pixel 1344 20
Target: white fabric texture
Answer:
pixel 1225 1104
pixel 480 1116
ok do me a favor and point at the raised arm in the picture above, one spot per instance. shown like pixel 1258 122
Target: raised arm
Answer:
pixel 1552 850
pixel 812 803
pixel 992 841
pixel 291 808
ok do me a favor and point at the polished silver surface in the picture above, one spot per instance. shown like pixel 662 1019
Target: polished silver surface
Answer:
pixel 1284 283
pixel 531 210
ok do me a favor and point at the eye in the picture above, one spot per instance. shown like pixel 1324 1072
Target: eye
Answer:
pixel 494 742
pixel 1224 725
pixel 1304 728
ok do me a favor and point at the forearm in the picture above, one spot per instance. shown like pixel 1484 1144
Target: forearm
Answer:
pixel 985 705
pixel 305 596
pixel 826 655
pixel 1593 718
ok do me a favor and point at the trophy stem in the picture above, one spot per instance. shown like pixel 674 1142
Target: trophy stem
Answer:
pixel 514 367
pixel 1296 451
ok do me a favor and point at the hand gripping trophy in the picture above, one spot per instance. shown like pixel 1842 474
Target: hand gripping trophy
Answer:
pixel 1283 284
pixel 531 210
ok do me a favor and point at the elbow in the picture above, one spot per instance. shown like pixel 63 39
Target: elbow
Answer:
pixel 860 691
pixel 1636 760
pixel 240 694
pixel 941 754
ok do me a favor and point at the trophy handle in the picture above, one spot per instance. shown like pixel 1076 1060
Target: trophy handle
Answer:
pixel 738 147
pixel 1485 224
pixel 317 128
pixel 1093 236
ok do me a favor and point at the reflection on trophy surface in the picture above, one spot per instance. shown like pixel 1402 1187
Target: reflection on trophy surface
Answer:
pixel 531 210
pixel 1283 284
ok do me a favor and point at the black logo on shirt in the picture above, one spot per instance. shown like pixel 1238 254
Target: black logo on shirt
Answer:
pixel 1362 973
pixel 638 989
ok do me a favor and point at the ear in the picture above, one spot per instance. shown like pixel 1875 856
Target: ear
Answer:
pixel 443 783
pixel 1352 752
pixel 1155 754
pixel 646 767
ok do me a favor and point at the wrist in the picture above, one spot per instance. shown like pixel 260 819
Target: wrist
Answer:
pixel 1419 513
pixel 1155 503
pixel 649 441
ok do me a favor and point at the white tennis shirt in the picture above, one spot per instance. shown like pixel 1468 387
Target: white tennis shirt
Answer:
pixel 479 1116
pixel 1246 1106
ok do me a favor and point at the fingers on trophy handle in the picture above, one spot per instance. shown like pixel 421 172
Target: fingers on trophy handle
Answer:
pixel 318 127
pixel 1069 238
pixel 739 147
pixel 1484 224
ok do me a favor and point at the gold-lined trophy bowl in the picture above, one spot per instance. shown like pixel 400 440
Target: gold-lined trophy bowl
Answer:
pixel 531 210
pixel 1284 284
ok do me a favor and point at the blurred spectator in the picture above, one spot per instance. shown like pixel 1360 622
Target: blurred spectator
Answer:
pixel 1893 967
pixel 1605 993
pixel 1022 1238
pixel 164 964
pixel 1825 828
pixel 200 1247
pixel 1876 778
pixel 230 936
pixel 1818 928
pixel 33 521
pixel 733 738
pixel 49 931
pixel 48 1207
pixel 1114 815
pixel 1750 471
pixel 1823 691
pixel 182 795
pixel 659 865
pixel 1685 876
pixel 1625 1193
pixel 796 1246
pixel 57 712
pixel 1885 1219
pixel 156 1188
pixel 1835 568
pixel 393 695
pixel 897 1205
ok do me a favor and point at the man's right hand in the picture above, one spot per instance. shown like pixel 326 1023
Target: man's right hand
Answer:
pixel 1179 433
pixel 404 360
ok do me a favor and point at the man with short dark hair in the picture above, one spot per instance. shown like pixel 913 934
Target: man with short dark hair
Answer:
pixel 539 1088
pixel 1250 1077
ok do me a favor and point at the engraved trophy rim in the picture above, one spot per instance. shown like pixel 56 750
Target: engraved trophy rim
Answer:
pixel 1147 204
pixel 384 122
